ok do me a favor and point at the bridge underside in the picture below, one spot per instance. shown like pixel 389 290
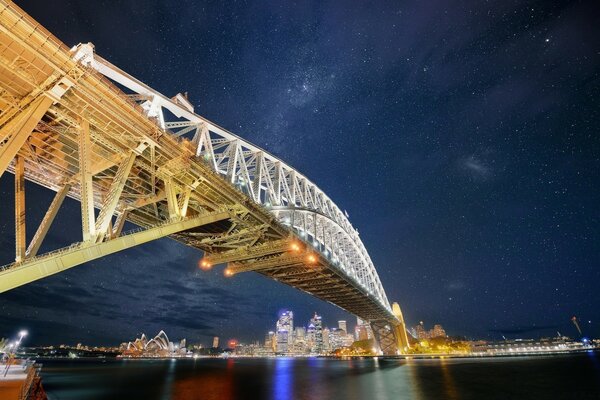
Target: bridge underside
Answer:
pixel 65 126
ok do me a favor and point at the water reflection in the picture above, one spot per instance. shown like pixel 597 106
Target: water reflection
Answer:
pixel 448 381
pixel 318 378
pixel 282 379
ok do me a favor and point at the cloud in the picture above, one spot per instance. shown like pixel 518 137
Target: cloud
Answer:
pixel 456 285
pixel 475 168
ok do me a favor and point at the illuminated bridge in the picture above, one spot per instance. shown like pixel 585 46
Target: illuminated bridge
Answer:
pixel 74 123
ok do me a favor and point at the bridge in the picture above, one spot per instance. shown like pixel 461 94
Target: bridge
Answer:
pixel 75 124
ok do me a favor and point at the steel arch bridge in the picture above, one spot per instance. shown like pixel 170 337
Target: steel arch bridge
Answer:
pixel 78 125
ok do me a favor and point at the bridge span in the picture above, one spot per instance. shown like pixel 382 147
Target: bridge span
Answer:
pixel 76 124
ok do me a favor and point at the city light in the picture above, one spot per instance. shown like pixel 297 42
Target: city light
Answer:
pixel 205 265
pixel 295 246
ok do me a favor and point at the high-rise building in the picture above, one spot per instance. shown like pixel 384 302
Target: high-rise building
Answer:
pixel 342 325
pixel 326 343
pixel 215 342
pixel 270 341
pixel 363 330
pixel 285 332
pixel 420 331
pixel 437 331
pixel 310 336
pixel 336 338
pixel 299 333
pixel 318 328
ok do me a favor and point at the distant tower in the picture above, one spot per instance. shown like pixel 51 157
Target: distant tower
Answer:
pixel 574 319
pixel 342 325
pixel 215 342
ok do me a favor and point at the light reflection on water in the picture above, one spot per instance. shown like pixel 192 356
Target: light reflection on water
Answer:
pixel 318 378
pixel 282 387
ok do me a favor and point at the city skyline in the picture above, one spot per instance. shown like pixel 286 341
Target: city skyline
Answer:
pixel 428 137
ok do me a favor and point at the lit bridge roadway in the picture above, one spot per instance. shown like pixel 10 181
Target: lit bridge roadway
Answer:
pixel 74 123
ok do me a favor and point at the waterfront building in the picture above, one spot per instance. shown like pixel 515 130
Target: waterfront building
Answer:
pixel 336 336
pixel 363 330
pixel 285 332
pixel 215 342
pixel 159 346
pixel 317 323
pixel 342 325
pixel 299 333
pixel 347 340
pixel 326 342
pixel 310 336
pixel 437 331
pixel 272 341
pixel 420 332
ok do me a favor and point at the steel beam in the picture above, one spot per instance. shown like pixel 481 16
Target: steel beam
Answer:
pixel 248 252
pixel 119 223
pixel 174 210
pixel 43 266
pixel 87 190
pixel 112 197
pixel 283 261
pixel 42 230
pixel 20 238
pixel 16 131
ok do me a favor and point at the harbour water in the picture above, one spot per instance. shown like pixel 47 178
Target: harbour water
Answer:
pixel 575 376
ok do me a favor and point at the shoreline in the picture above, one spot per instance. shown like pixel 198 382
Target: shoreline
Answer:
pixel 398 357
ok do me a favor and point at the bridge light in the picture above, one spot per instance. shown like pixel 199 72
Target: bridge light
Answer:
pixel 295 246
pixel 228 273
pixel 205 265
pixel 312 259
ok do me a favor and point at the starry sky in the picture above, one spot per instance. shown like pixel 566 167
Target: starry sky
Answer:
pixel 461 138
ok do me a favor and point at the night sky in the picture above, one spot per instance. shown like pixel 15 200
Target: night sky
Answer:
pixel 461 138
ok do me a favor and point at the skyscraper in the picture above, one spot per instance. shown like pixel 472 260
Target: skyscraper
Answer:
pixel 326 342
pixel 363 330
pixel 215 342
pixel 284 331
pixel 342 325
pixel 318 328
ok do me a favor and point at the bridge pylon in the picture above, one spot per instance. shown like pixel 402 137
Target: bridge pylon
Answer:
pixel 390 335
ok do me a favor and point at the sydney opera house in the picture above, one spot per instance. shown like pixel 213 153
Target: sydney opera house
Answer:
pixel 159 346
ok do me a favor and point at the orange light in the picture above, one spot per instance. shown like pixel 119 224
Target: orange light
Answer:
pixel 227 272
pixel 312 259
pixel 205 265
pixel 295 247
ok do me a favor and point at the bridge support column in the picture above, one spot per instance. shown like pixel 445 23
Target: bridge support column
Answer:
pixel 385 337
pixel 87 190
pixel 391 336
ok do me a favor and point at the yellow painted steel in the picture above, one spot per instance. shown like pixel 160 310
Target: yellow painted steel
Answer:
pixel 59 261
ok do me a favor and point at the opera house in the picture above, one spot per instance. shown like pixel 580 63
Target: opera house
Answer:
pixel 159 346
